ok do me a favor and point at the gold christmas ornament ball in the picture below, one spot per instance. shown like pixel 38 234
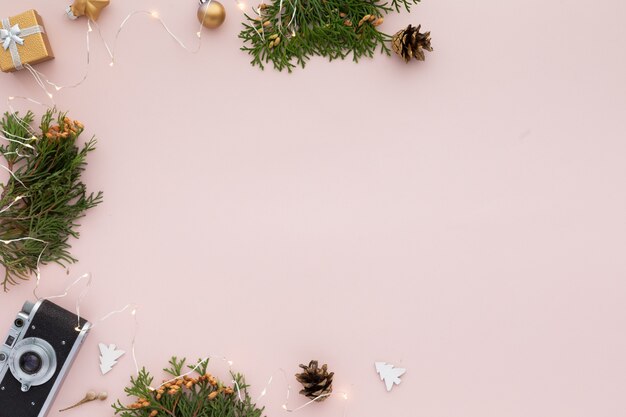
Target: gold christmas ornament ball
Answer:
pixel 211 13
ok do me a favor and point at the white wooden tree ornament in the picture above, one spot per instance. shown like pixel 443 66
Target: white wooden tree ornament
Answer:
pixel 389 374
pixel 108 357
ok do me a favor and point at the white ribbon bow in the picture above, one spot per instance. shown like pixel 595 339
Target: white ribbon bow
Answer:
pixel 7 36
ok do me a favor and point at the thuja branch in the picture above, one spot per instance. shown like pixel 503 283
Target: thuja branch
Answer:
pixel 195 395
pixel 288 32
pixel 44 196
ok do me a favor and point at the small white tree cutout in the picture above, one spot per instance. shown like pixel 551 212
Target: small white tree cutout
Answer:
pixel 108 357
pixel 389 374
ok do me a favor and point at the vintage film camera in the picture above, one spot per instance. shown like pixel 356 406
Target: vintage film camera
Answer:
pixel 35 357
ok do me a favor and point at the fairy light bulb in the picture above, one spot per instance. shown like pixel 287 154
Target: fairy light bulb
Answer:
pixel 241 6
pixel 155 14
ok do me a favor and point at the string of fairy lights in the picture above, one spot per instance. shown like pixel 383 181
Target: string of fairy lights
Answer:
pixel 43 82
pixel 133 312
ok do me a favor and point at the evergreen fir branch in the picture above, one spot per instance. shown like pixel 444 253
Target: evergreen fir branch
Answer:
pixel 202 395
pixel 288 33
pixel 41 204
pixel 403 4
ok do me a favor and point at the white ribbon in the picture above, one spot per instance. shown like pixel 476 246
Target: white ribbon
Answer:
pixel 11 36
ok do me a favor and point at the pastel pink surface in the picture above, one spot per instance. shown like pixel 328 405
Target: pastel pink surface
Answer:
pixel 462 218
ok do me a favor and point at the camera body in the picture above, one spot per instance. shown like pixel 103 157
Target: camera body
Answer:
pixel 35 356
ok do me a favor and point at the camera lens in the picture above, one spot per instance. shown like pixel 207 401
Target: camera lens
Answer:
pixel 30 363
pixel 2 357
pixel 18 322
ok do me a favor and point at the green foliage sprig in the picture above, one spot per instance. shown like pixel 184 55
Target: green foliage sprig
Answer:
pixel 44 196
pixel 202 395
pixel 288 32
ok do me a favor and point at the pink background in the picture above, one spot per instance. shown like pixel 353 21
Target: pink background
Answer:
pixel 462 217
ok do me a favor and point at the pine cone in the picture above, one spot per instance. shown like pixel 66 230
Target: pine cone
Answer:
pixel 316 381
pixel 410 43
